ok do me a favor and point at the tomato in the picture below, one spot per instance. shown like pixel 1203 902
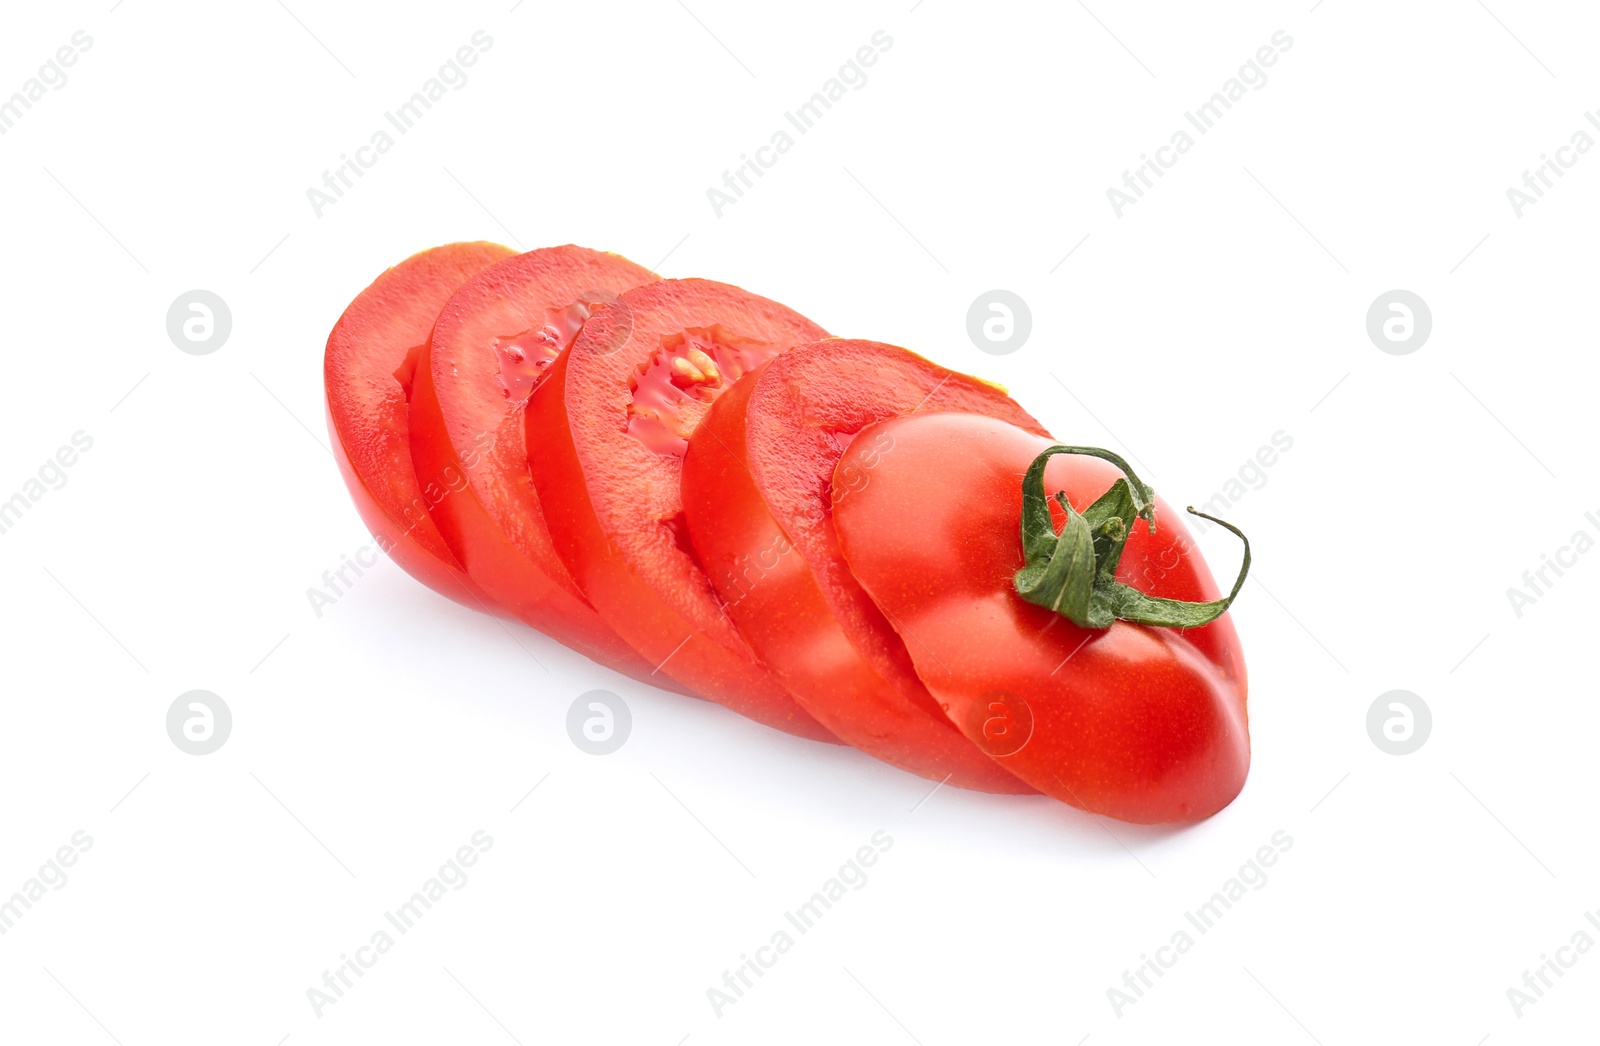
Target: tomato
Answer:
pixel 1143 723
pixel 492 344
pixel 606 434
pixel 367 376
pixel 757 500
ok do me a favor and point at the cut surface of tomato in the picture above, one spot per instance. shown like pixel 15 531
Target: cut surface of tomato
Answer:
pixel 758 500
pixel 1146 724
pixel 607 431
pixel 367 376
pixel 493 343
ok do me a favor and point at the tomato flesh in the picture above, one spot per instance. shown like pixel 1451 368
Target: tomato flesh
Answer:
pixel 494 342
pixel 757 493
pixel 367 372
pixel 1144 724
pixel 606 435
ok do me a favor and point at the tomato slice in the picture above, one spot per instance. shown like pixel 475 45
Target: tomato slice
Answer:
pixel 757 497
pixel 1140 723
pixel 367 378
pixel 607 431
pixel 492 344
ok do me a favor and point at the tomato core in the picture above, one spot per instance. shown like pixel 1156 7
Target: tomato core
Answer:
pixel 672 392
pixel 524 358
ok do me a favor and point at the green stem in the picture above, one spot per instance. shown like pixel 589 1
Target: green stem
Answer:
pixel 1074 572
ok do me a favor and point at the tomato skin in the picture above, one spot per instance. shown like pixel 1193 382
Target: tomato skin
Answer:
pixel 366 409
pixel 468 443
pixel 756 500
pixel 410 538
pixel 1144 724
pixel 612 498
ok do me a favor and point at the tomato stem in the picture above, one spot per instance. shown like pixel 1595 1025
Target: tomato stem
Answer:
pixel 1074 572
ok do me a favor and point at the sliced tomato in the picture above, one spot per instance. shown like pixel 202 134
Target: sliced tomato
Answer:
pixel 493 343
pixel 607 431
pixel 367 378
pixel 758 501
pixel 1142 723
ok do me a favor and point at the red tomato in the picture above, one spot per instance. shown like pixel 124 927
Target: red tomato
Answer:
pixel 1142 723
pixel 757 499
pixel 367 374
pixel 492 344
pixel 607 431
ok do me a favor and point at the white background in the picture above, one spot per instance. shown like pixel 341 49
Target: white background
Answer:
pixel 1228 304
